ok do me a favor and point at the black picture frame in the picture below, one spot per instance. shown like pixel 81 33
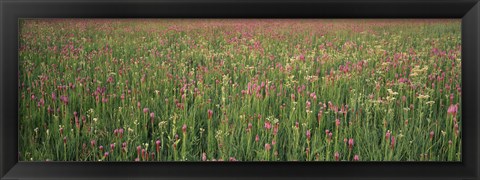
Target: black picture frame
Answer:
pixel 467 10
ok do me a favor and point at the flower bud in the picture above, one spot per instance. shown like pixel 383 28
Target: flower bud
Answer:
pixel 337 156
pixel 356 158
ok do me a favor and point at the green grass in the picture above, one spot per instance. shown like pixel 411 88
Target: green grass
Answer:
pixel 111 70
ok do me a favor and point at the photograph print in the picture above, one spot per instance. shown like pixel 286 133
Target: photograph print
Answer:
pixel 255 90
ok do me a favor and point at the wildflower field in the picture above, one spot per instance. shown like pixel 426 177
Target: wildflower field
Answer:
pixel 239 90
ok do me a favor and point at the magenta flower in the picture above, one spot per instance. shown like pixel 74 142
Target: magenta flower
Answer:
pixel 124 146
pixel 152 117
pixel 350 143
pixel 392 142
pixel 152 154
pixel 100 148
pixel 64 99
pixel 110 79
pixel 41 102
pixel 453 109
pixel 337 156
pixel 257 138
pixel 267 147
pixel 403 80
pixel 302 57
pixel 387 135
pixel 319 116
pixel 77 122
pixel 275 129
pixel 210 114
pixel 50 110
pixel 54 96
pixel 184 128
pixel 120 131
pixel 145 110
pixel 92 142
pixel 204 156
pixel 431 135
pixel 308 135
pixel 337 122
pixel 308 104
pixel 139 148
pixel 356 158
pixel 268 125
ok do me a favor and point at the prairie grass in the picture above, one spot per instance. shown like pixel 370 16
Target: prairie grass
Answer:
pixel 239 90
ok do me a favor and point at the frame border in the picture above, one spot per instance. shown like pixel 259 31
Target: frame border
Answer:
pixel 468 10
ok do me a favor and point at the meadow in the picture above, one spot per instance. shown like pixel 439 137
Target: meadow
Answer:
pixel 239 90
